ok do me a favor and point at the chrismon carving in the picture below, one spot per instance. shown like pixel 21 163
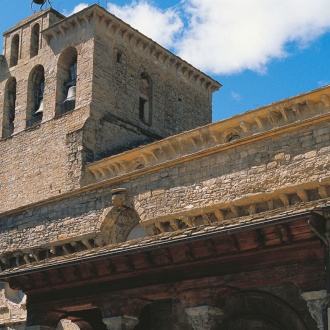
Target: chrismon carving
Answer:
pixel 117 221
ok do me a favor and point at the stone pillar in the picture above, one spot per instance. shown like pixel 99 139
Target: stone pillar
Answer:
pixel 204 317
pixel 121 322
pixel 316 301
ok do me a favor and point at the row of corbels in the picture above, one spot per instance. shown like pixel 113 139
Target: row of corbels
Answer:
pixel 198 140
pixel 62 28
pixel 218 215
pixel 132 36
pixel 27 256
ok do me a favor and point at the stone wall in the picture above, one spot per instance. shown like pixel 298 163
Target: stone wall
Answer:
pixel 123 64
pixel 286 167
pixel 46 158
pixel 242 173
pixel 43 160
pixel 44 18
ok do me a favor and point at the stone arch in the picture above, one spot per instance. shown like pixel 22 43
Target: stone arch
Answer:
pixel 66 80
pixel 14 51
pixel 260 311
pixel 116 222
pixel 145 98
pixel 9 108
pixel 162 314
pixel 35 40
pixel 36 87
pixel 86 319
pixel 231 135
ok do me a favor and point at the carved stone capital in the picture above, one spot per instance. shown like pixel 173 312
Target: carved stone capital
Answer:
pixel 204 317
pixel 316 301
pixel 121 322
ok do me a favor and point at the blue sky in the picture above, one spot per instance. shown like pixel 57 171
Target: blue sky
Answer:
pixel 261 51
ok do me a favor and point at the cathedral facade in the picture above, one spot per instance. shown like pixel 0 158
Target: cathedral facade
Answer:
pixel 123 207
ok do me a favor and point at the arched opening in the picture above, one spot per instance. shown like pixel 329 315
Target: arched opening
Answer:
pixel 137 232
pixel 66 81
pixel 258 310
pixel 34 45
pixel 231 135
pixel 14 52
pixel 90 319
pixel 145 102
pixel 9 108
pixel 117 223
pixel 35 104
pixel 163 314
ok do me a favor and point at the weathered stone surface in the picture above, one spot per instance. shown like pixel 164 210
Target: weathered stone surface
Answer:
pixel 204 317
pixel 49 156
pixel 121 322
pixel 12 308
pixel 132 130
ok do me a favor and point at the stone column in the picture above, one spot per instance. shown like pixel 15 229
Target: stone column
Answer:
pixel 204 317
pixel 121 322
pixel 316 301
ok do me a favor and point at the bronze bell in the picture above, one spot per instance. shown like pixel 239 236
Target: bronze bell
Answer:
pixel 40 109
pixel 70 102
pixel 40 2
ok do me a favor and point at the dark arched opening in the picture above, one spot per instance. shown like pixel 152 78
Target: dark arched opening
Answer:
pixel 35 104
pixel 14 52
pixel 9 108
pixel 34 46
pixel 66 81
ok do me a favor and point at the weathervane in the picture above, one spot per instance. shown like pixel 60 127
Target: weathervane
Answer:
pixel 40 2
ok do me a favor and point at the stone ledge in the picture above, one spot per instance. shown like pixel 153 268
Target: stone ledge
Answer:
pixel 270 120
pixel 175 228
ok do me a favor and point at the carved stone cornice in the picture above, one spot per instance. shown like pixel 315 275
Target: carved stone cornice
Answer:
pixel 251 126
pixel 291 198
pixel 208 218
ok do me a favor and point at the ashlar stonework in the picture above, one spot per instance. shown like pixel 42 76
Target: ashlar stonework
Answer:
pixel 123 207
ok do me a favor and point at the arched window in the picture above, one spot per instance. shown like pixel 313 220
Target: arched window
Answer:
pixel 66 81
pixel 35 96
pixel 14 52
pixel 9 108
pixel 145 106
pixel 34 45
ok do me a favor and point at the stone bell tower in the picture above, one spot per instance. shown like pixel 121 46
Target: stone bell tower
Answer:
pixel 76 89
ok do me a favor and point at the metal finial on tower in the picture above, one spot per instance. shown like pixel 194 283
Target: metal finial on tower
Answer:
pixel 40 2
